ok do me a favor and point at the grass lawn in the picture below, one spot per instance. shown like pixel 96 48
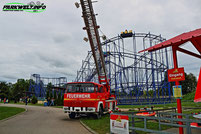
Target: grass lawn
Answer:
pixel 6 112
pixel 102 126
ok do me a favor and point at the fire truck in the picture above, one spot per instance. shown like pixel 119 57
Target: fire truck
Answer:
pixel 90 97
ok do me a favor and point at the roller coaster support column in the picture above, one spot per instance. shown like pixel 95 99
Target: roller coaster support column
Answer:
pixel 179 107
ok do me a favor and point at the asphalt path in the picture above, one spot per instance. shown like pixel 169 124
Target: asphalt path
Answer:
pixel 41 120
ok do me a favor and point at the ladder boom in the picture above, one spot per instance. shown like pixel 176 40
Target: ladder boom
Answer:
pixel 93 35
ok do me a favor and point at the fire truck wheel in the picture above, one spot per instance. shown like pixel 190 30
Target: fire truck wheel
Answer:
pixel 72 115
pixel 100 113
pixel 113 106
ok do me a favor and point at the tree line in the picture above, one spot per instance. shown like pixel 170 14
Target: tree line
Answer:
pixel 20 90
pixel 13 92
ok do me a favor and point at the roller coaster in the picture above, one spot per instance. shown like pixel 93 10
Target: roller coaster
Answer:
pixel 136 78
pixel 38 85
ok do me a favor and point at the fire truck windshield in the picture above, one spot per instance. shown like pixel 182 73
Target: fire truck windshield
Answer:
pixel 80 88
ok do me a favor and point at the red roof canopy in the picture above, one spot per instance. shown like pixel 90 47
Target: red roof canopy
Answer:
pixel 193 36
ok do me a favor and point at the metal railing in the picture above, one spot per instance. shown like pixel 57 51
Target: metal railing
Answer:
pixel 162 118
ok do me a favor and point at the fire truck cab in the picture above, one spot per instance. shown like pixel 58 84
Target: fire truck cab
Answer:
pixel 87 98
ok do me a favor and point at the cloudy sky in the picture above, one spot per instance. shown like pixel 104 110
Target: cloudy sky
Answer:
pixel 51 43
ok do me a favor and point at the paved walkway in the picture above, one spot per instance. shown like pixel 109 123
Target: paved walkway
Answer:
pixel 41 120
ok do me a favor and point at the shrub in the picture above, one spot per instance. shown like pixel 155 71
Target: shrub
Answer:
pixel 34 100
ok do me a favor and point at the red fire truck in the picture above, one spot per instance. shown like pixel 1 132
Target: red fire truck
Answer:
pixel 86 98
pixel 90 97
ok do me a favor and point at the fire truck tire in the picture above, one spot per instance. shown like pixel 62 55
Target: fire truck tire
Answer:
pixel 100 113
pixel 113 106
pixel 72 115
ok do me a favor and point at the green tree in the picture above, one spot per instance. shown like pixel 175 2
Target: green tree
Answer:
pixel 20 88
pixel 59 99
pixel 190 83
pixel 55 98
pixel 34 100
pixel 4 90
pixel 48 90
pixel 10 93
pixel 51 95
pixel 26 84
pixel 47 94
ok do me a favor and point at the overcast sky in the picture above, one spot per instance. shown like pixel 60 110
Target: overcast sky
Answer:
pixel 51 43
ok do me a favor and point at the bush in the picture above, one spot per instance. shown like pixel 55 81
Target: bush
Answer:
pixel 34 100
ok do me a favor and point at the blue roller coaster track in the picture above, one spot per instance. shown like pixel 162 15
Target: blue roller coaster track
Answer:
pixel 39 84
pixel 136 78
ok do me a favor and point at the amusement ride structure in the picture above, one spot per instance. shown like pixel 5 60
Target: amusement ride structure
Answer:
pixel 134 77
pixel 38 85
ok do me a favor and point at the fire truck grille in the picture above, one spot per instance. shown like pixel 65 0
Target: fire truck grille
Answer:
pixel 79 109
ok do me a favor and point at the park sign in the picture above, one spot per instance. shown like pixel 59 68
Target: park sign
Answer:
pixel 176 74
pixel 119 124
pixel 177 91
